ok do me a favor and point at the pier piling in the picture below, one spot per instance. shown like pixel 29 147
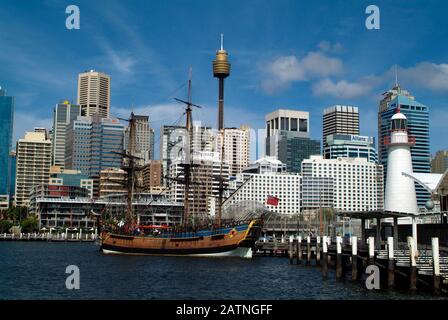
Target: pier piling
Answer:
pixel 324 257
pixel 354 258
pixel 308 250
pixel 390 263
pixel 299 248
pixel 371 241
pixel 338 257
pixel 296 248
pixel 291 250
pixel 317 251
pixel 436 265
pixel 413 264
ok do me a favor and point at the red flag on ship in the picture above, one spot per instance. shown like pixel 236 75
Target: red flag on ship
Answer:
pixel 273 201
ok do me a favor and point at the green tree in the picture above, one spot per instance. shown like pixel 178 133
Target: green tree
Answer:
pixel 5 225
pixel 30 224
pixel 14 213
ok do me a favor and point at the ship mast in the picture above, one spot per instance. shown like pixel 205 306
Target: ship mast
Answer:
pixel 187 165
pixel 130 169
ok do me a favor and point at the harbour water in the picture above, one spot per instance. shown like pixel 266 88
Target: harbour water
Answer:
pixel 36 270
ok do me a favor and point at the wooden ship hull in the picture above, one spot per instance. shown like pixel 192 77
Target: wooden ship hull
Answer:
pixel 236 241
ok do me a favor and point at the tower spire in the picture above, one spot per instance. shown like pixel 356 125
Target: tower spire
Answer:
pixel 222 41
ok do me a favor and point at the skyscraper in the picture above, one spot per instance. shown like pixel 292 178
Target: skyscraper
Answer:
pixel 174 139
pixel 292 150
pixel 236 148
pixel 206 175
pixel 33 164
pixel 340 120
pixel 296 122
pixel 94 144
pixel 94 93
pixel 6 130
pixel 143 139
pixel 417 115
pixel 287 138
pixel 350 146
pixel 172 145
pixel 63 114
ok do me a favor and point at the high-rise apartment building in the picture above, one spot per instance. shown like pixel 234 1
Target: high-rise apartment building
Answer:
pixel 417 115
pixel 6 129
pixel 152 175
pixel 94 93
pixel 358 184
pixel 33 164
pixel 64 113
pixel 236 148
pixel 112 181
pixel 439 164
pixel 205 178
pixel 340 120
pixel 174 144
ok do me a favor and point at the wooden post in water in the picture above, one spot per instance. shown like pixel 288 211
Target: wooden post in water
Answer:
pixel 308 250
pixel 413 264
pixel 436 265
pixel 391 263
pixel 291 250
pixel 338 257
pixel 296 249
pixel 299 248
pixel 324 257
pixel 354 258
pixel 317 251
pixel 371 260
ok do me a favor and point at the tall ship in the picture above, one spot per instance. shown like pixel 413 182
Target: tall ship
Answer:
pixel 195 235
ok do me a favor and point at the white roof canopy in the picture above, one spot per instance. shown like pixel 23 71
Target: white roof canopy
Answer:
pixel 435 183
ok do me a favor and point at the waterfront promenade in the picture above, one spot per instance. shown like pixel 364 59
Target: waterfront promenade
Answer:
pixel 67 236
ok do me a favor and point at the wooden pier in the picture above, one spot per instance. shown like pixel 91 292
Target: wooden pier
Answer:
pixel 403 265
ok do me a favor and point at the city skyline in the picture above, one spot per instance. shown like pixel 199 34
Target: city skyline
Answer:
pixel 339 62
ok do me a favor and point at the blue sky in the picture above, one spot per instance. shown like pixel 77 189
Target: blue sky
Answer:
pixel 304 55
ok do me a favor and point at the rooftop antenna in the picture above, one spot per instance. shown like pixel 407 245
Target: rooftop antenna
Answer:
pixel 396 76
pixel 222 41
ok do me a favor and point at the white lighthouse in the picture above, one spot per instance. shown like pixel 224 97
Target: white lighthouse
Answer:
pixel 400 189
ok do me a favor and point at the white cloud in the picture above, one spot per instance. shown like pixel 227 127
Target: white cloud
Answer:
pixel 340 89
pixel 427 75
pixel 280 73
pixel 327 46
pixel 123 62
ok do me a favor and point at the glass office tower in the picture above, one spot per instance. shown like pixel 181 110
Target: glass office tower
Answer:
pixel 6 128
